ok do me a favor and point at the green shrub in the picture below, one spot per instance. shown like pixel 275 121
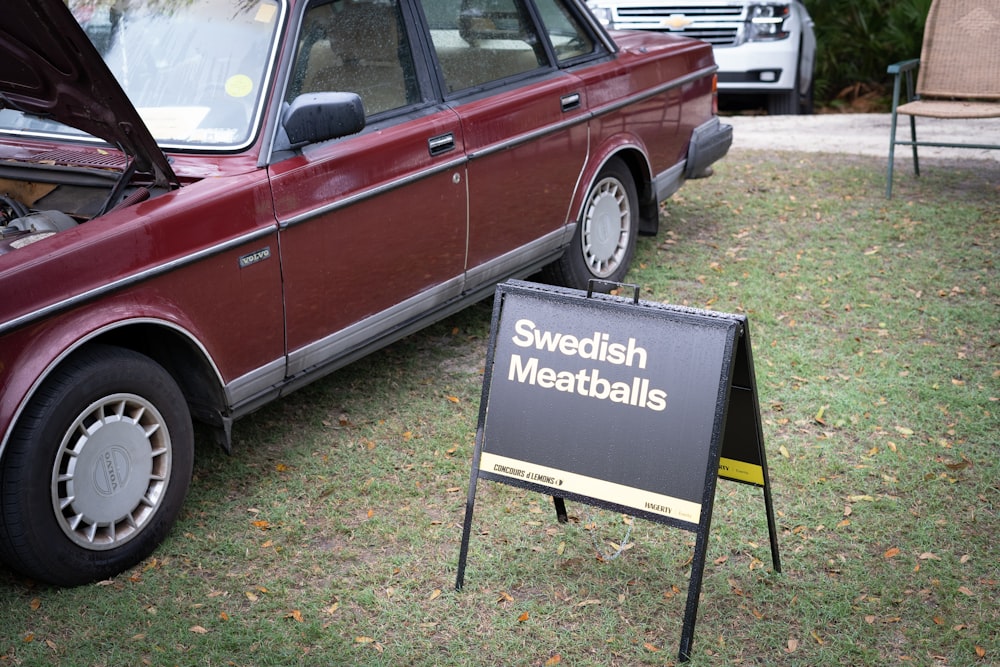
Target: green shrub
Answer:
pixel 858 39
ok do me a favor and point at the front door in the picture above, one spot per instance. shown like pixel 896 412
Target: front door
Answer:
pixel 373 226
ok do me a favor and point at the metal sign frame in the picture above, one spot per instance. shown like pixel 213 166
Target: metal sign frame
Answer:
pixel 621 404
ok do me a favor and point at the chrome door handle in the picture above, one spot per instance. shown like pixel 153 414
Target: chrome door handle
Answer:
pixel 441 144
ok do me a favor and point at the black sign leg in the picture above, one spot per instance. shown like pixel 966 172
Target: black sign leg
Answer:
pixel 560 504
pixel 772 529
pixel 694 593
pixel 470 502
pixel 466 531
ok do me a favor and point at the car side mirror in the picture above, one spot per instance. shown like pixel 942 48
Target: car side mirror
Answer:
pixel 315 117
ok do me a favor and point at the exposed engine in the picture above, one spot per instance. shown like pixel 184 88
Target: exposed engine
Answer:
pixel 21 226
pixel 32 211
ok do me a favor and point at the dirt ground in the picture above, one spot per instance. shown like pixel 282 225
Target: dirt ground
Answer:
pixel 863 134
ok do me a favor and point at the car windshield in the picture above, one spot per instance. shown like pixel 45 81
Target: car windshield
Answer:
pixel 195 70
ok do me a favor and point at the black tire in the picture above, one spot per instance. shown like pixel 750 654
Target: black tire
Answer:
pixel 96 470
pixel 604 242
pixel 784 104
pixel 792 102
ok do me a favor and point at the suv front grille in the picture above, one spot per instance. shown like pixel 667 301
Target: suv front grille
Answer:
pixel 717 25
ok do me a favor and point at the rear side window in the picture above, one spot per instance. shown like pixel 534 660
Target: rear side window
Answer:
pixel 569 38
pixel 356 46
pixel 483 41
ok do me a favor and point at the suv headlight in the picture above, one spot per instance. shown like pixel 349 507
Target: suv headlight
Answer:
pixel 766 23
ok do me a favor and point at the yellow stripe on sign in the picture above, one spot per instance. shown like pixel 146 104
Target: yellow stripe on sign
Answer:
pixel 740 471
pixel 590 487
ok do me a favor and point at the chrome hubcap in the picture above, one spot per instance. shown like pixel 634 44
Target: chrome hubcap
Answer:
pixel 606 228
pixel 111 471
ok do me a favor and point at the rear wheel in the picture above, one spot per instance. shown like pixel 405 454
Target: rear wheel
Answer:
pixel 784 104
pixel 795 101
pixel 604 242
pixel 97 469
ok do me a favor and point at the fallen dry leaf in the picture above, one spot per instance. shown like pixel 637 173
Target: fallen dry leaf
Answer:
pixel 891 552
pixel 198 630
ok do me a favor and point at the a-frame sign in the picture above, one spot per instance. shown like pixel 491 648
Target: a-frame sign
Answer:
pixel 633 406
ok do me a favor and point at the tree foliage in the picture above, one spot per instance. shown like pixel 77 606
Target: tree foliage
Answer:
pixel 858 39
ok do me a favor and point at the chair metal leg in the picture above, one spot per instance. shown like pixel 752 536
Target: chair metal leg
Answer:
pixel 892 155
pixel 913 138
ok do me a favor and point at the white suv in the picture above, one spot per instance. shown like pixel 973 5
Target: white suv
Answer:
pixel 761 47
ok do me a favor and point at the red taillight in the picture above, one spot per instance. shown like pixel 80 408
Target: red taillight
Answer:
pixel 715 94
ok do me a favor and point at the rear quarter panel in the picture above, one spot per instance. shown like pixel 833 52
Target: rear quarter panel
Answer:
pixel 651 96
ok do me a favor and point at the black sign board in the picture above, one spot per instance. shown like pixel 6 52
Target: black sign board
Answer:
pixel 621 404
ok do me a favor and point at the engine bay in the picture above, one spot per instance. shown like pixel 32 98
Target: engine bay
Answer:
pixel 56 200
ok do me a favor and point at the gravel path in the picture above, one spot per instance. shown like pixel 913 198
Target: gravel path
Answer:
pixel 862 134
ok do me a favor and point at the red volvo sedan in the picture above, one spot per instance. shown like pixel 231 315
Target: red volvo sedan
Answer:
pixel 205 205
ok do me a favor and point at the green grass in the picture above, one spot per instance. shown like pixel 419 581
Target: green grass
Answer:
pixel 331 535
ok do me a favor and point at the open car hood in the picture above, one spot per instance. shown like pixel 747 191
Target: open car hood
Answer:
pixel 51 69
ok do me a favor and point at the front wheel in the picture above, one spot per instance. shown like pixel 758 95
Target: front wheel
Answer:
pixel 604 242
pixel 97 469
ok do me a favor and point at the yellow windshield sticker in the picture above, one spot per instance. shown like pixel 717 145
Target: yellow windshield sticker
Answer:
pixel 239 85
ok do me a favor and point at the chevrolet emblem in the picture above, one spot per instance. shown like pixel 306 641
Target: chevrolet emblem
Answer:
pixel 676 22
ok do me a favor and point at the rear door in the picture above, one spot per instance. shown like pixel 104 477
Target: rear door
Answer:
pixel 525 128
pixel 373 226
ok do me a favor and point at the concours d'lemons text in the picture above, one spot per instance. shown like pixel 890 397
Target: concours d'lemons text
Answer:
pixel 585 382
